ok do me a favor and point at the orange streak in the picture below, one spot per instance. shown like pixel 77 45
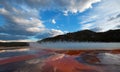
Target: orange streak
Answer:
pixel 21 58
pixel 68 64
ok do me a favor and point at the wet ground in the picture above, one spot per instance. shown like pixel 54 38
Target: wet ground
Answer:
pixel 60 61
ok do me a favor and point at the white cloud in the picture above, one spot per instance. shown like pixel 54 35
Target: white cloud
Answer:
pixel 35 29
pixel 65 13
pixel 21 22
pixel 49 33
pixel 53 21
pixel 56 32
pixel 34 22
pixel 107 25
pixel 26 40
pixel 22 16
pixel 80 5
pixel 72 6
pixel 86 26
pixel 3 11
pixel 103 17
pixel 24 23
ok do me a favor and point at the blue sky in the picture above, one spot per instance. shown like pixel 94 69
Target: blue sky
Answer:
pixel 31 20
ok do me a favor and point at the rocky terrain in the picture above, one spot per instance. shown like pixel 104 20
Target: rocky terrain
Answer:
pixel 86 36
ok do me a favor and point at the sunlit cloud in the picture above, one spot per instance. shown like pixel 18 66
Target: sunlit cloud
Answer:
pixel 104 17
pixel 53 21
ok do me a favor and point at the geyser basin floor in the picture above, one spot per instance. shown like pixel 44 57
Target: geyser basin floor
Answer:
pixel 50 60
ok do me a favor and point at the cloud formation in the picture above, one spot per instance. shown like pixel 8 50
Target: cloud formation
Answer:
pixel 49 33
pixel 66 6
pixel 20 22
pixel 104 17
pixel 22 19
pixel 12 37
pixel 53 21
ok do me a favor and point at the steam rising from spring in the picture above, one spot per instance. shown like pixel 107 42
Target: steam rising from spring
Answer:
pixel 74 45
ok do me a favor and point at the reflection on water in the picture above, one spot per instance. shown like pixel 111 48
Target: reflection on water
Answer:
pixel 15 50
pixel 67 61
pixel 108 58
pixel 40 59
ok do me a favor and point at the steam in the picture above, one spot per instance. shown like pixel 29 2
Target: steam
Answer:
pixel 74 45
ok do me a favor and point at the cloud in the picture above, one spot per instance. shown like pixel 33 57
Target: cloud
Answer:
pixel 96 29
pixel 115 17
pixel 12 37
pixel 75 6
pixel 56 32
pixel 20 22
pixel 22 17
pixel 23 40
pixel 19 26
pixel 104 17
pixel 53 21
pixel 118 26
pixel 49 33
pixel 66 6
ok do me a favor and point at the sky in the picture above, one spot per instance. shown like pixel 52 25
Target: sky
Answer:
pixel 32 20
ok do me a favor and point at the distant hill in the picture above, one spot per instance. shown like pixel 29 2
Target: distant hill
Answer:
pixel 13 44
pixel 87 36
